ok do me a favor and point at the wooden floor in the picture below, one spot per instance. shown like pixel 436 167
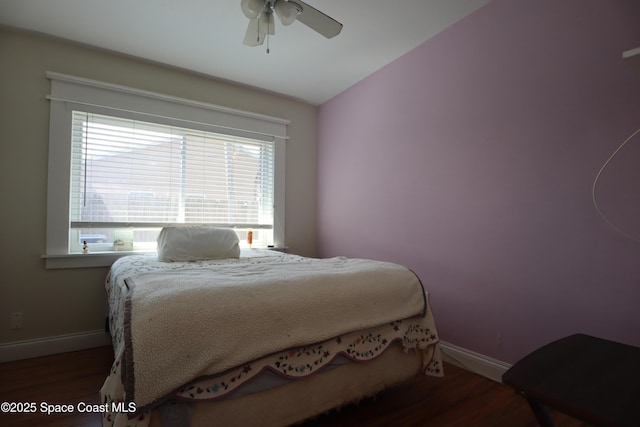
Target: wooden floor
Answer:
pixel 459 399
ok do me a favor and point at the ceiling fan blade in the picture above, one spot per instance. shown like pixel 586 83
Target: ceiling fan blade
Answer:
pixel 253 36
pixel 318 21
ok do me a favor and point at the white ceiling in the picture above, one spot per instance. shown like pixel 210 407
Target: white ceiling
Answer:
pixel 206 36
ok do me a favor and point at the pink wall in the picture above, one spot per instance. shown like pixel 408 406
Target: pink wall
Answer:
pixel 471 160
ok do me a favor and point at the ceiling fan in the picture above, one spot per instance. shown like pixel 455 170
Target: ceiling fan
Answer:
pixel 261 24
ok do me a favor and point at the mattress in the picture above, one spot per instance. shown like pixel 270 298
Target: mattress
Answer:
pixel 261 364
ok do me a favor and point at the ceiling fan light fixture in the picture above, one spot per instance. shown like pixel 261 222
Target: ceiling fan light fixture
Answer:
pixel 252 8
pixel 287 11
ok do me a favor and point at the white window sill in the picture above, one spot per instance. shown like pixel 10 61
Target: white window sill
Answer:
pixel 91 259
pixel 105 259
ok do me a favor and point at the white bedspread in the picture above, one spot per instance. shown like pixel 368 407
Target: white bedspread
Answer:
pixel 181 325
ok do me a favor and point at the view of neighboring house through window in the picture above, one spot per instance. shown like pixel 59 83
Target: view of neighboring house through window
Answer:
pixel 129 178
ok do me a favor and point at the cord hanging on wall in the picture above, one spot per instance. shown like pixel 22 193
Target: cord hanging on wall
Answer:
pixel 595 183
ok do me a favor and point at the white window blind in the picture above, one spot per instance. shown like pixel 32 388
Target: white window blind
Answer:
pixel 124 162
pixel 135 174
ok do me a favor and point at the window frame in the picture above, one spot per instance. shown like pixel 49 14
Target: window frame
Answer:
pixel 70 93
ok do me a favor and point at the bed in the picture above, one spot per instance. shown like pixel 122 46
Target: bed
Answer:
pixel 257 337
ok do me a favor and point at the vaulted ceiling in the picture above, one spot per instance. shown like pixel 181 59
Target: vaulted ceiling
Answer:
pixel 206 36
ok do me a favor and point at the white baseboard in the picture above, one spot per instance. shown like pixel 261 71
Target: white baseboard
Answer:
pixel 52 345
pixel 473 362
pixel 18 350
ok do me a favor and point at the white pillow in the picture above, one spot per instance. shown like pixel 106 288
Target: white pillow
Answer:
pixel 192 243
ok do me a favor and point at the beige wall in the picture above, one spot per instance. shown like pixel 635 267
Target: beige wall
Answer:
pixel 57 302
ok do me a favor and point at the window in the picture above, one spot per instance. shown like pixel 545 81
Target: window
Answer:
pixel 124 163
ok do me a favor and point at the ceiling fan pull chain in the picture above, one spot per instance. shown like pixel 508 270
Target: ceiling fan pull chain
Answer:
pixel 268 30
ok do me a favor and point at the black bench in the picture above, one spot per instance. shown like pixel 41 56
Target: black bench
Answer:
pixel 594 380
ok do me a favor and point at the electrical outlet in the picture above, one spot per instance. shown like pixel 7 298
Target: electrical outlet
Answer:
pixel 17 319
pixel 499 339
